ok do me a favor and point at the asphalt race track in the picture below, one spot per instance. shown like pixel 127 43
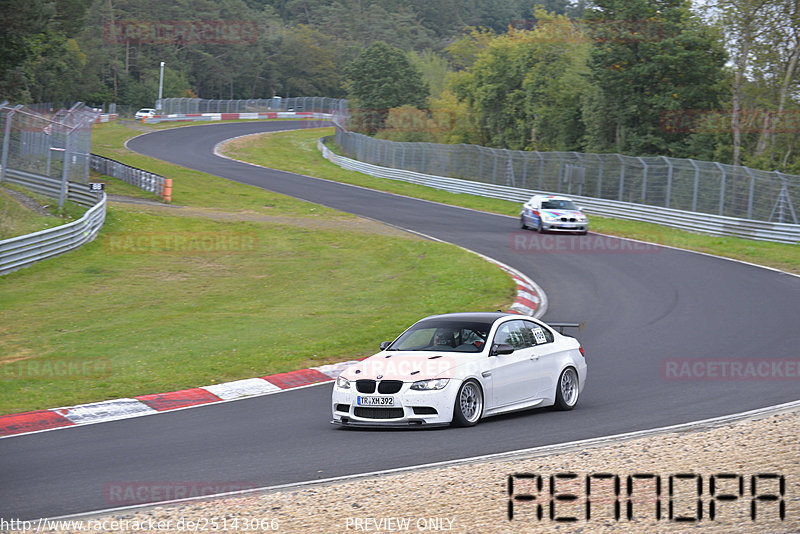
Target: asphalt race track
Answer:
pixel 641 307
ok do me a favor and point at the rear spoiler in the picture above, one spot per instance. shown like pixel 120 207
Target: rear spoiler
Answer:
pixel 561 326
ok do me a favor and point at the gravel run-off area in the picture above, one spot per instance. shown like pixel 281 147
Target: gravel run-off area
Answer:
pixel 474 496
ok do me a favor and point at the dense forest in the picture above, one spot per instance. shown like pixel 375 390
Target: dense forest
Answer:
pixel 718 80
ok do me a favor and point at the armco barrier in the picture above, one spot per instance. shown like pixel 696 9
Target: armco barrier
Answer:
pixel 684 220
pixel 22 251
pixel 192 117
pixel 144 180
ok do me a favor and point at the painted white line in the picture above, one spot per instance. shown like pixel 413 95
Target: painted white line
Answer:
pixel 110 410
pixel 334 369
pixel 241 388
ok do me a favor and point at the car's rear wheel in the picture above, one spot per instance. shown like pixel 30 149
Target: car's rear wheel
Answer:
pixel 469 404
pixel 567 389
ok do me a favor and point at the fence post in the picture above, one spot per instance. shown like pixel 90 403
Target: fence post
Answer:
pixel 599 176
pixel 722 188
pixel 62 195
pixel 644 179
pixel 752 193
pixel 669 181
pixel 6 136
pixel 696 184
pixel 541 170
pixel 621 178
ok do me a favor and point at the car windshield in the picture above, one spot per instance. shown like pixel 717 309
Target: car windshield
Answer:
pixel 556 204
pixel 444 335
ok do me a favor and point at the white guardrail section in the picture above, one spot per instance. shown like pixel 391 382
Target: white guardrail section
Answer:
pixel 22 251
pixel 684 220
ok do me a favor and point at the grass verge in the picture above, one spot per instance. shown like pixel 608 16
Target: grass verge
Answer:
pixel 296 151
pixel 170 297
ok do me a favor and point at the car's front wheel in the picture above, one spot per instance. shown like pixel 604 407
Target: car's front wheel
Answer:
pixel 522 223
pixel 469 404
pixel 567 389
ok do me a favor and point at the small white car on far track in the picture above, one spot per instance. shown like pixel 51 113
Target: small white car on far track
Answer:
pixel 546 213
pixel 145 113
pixel 458 368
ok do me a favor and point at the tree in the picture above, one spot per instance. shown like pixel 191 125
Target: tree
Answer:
pixel 381 78
pixel 648 57
pixel 524 87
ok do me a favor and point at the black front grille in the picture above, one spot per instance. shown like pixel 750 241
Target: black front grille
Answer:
pixel 388 387
pixel 365 386
pixel 379 413
pixel 342 407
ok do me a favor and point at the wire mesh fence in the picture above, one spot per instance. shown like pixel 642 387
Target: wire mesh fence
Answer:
pixel 56 144
pixel 199 105
pixel 683 184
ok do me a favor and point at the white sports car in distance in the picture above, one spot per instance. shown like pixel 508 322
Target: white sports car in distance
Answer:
pixel 460 367
pixel 548 212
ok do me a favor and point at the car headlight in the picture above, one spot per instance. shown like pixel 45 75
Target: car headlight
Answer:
pixel 549 218
pixel 342 382
pixel 430 385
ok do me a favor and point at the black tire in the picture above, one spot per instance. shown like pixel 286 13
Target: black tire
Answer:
pixel 539 227
pixel 469 409
pixel 522 223
pixel 567 389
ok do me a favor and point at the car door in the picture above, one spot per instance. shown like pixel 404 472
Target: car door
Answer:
pixel 545 359
pixel 511 373
pixel 532 212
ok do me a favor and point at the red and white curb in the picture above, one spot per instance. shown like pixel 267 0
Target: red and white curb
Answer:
pixel 530 300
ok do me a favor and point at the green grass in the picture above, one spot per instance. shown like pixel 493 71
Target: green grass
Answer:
pixel 279 284
pixel 296 151
pixel 16 219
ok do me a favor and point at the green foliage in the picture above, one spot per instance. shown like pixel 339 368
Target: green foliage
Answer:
pixel 676 64
pixel 525 86
pixel 381 78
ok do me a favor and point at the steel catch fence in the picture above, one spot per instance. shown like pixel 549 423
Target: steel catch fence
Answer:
pixel 672 183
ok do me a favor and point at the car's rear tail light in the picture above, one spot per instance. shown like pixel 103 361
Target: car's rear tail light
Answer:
pixel 581 349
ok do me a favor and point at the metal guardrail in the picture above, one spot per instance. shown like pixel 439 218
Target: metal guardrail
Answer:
pixel 706 187
pixel 144 180
pixel 684 220
pixel 22 251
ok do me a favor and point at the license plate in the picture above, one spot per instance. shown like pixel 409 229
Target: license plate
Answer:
pixel 375 401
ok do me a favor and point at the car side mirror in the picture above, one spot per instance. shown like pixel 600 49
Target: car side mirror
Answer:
pixel 580 208
pixel 385 345
pixel 502 348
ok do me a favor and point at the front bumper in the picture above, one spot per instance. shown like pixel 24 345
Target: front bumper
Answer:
pixel 410 408
pixel 565 226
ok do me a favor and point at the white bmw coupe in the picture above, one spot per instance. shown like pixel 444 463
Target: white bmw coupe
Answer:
pixel 460 367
